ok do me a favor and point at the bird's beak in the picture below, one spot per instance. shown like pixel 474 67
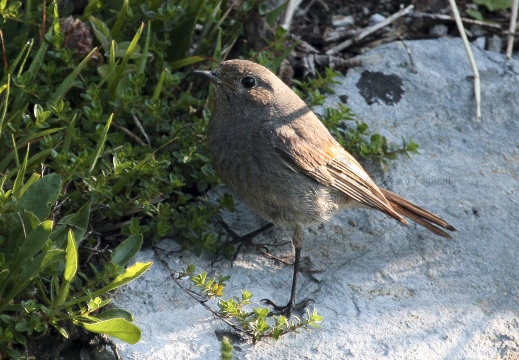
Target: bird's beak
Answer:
pixel 211 75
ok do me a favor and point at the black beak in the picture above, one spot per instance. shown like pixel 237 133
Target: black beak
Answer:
pixel 211 75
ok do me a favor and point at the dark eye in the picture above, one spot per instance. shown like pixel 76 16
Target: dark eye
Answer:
pixel 248 82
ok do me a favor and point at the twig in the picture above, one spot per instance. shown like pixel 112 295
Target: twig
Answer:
pixel 450 18
pixel 3 52
pixel 513 23
pixel 477 83
pixel 141 128
pixel 413 67
pixel 289 13
pixel 198 299
pixel 370 30
pixel 129 133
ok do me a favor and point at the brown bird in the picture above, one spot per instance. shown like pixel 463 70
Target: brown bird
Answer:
pixel 279 158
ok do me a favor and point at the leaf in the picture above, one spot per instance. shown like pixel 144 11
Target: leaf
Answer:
pixel 68 137
pixel 130 274
pixel 272 16
pixel 102 140
pixel 126 250
pixel 17 186
pixel 116 29
pixel 35 160
pixel 183 33
pixel 34 177
pixel 185 62
pixel 71 257
pixel 78 222
pixel 69 80
pixel 115 313
pixel 35 267
pixel 40 196
pixel 495 5
pixel 118 328
pixel 101 32
pixel 33 243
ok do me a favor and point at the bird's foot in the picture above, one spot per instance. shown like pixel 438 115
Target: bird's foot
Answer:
pixel 288 308
pixel 233 247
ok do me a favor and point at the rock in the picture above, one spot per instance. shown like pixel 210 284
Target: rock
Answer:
pixel 375 19
pixel 495 43
pixel 384 290
pixel 480 42
pixel 439 30
pixel 341 20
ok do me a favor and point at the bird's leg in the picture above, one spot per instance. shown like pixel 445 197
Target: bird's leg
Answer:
pixel 286 310
pixel 238 240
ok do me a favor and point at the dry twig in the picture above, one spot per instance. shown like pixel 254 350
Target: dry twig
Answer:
pixel 289 13
pixel 513 23
pixel 370 30
pixel 477 83
pixel 450 18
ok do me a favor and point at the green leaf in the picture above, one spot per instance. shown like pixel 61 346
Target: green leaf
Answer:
pixel 102 140
pixel 115 313
pixel 17 186
pixel 35 267
pixel 185 62
pixel 40 196
pixel 68 137
pixel 71 257
pixel 272 16
pixel 101 32
pixel 69 80
pixel 78 222
pixel 130 274
pixel 183 32
pixel 33 243
pixel 118 328
pixel 34 177
pixel 495 5
pixel 126 250
pixel 120 20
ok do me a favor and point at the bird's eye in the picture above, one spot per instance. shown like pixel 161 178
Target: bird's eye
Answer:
pixel 248 82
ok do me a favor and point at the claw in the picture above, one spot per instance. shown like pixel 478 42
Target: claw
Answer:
pixel 288 308
pixel 239 240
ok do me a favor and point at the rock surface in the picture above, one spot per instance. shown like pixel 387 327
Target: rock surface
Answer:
pixel 386 291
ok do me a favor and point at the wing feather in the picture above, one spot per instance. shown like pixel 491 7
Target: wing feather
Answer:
pixel 311 149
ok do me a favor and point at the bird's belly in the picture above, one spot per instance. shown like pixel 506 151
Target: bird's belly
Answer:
pixel 284 197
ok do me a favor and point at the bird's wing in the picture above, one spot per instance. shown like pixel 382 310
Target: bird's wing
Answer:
pixel 307 146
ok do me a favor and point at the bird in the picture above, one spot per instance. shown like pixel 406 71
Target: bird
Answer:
pixel 276 155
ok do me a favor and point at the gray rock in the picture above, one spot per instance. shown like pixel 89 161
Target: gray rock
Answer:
pixel 495 43
pixel 439 30
pixel 385 290
pixel 342 20
pixel 480 42
pixel 375 19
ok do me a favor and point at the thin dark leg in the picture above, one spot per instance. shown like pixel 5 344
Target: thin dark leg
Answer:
pixel 287 309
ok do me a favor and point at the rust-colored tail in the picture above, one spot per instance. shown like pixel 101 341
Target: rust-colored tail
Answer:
pixel 423 217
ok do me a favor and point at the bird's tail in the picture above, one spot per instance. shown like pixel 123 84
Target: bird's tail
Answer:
pixel 422 217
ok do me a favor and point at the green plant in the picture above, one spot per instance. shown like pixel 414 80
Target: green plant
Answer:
pixel 226 349
pixel 491 5
pixel 116 121
pixel 256 323
pixel 41 282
